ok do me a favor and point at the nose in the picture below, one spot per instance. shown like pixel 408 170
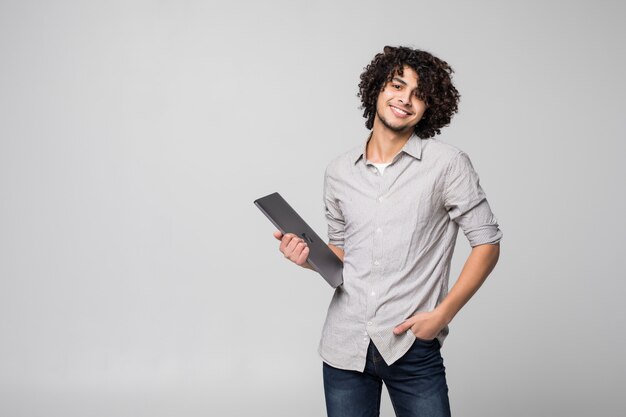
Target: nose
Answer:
pixel 405 98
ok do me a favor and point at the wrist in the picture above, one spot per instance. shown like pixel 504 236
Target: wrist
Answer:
pixel 443 315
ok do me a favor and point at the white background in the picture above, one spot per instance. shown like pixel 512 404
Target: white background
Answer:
pixel 138 279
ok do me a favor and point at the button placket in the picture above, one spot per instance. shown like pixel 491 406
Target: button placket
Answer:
pixel 377 253
pixel 380 213
pixel 370 301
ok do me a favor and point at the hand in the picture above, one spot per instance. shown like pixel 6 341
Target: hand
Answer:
pixel 293 248
pixel 424 325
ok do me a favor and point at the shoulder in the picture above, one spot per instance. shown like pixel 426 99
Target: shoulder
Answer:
pixel 343 162
pixel 440 150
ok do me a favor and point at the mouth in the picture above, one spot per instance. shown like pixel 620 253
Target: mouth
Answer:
pixel 399 112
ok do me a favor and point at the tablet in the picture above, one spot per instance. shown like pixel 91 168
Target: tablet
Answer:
pixel 285 218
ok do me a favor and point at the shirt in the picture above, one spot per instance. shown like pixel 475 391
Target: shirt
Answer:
pixel 381 167
pixel 398 231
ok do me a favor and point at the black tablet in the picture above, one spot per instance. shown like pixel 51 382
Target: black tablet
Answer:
pixel 285 218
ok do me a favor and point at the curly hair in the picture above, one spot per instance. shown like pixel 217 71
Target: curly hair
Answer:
pixel 435 86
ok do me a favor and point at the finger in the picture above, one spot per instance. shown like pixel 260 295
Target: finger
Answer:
pixel 297 250
pixel 285 241
pixel 303 256
pixel 292 245
pixel 403 327
pixel 278 235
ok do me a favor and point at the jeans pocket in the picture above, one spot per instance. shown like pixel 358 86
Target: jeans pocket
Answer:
pixel 419 339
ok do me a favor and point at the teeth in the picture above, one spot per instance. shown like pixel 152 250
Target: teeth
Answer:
pixel 400 111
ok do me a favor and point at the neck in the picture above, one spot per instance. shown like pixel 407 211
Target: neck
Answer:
pixel 385 143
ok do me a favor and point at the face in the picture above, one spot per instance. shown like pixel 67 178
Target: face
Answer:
pixel 398 108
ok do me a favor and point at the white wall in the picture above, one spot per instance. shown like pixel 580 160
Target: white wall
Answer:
pixel 138 279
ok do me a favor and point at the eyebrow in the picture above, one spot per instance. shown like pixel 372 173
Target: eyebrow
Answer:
pixel 401 81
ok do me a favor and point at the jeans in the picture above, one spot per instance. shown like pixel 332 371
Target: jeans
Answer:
pixel 416 384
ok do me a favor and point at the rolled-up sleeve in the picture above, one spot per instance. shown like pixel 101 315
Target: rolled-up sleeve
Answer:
pixel 467 204
pixel 334 217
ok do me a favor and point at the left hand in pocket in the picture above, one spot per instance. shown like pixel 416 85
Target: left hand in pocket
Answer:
pixel 424 325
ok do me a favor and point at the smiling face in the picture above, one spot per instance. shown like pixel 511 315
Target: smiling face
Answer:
pixel 398 107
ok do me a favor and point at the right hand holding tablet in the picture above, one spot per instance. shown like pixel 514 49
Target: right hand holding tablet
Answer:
pixel 293 248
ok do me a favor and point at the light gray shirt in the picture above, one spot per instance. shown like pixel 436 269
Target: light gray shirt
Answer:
pixel 398 231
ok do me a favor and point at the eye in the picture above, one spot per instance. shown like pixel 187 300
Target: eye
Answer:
pixel 396 86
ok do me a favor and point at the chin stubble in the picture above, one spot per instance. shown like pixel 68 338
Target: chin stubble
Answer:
pixel 398 129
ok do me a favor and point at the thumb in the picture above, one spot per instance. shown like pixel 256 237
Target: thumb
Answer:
pixel 402 327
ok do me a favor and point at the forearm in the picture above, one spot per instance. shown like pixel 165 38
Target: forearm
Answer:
pixel 337 250
pixel 477 268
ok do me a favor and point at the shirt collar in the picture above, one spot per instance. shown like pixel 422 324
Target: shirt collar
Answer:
pixel 413 147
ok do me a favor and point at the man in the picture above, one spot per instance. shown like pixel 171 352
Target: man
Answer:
pixel 393 206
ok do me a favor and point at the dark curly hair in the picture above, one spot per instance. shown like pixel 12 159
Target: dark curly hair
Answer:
pixel 435 86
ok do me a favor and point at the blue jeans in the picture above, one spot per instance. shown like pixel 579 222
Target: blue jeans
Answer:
pixel 416 384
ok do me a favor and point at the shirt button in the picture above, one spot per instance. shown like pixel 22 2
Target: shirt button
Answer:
pixel 380 198
pixel 365 339
pixel 373 293
pixel 376 263
pixel 369 323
